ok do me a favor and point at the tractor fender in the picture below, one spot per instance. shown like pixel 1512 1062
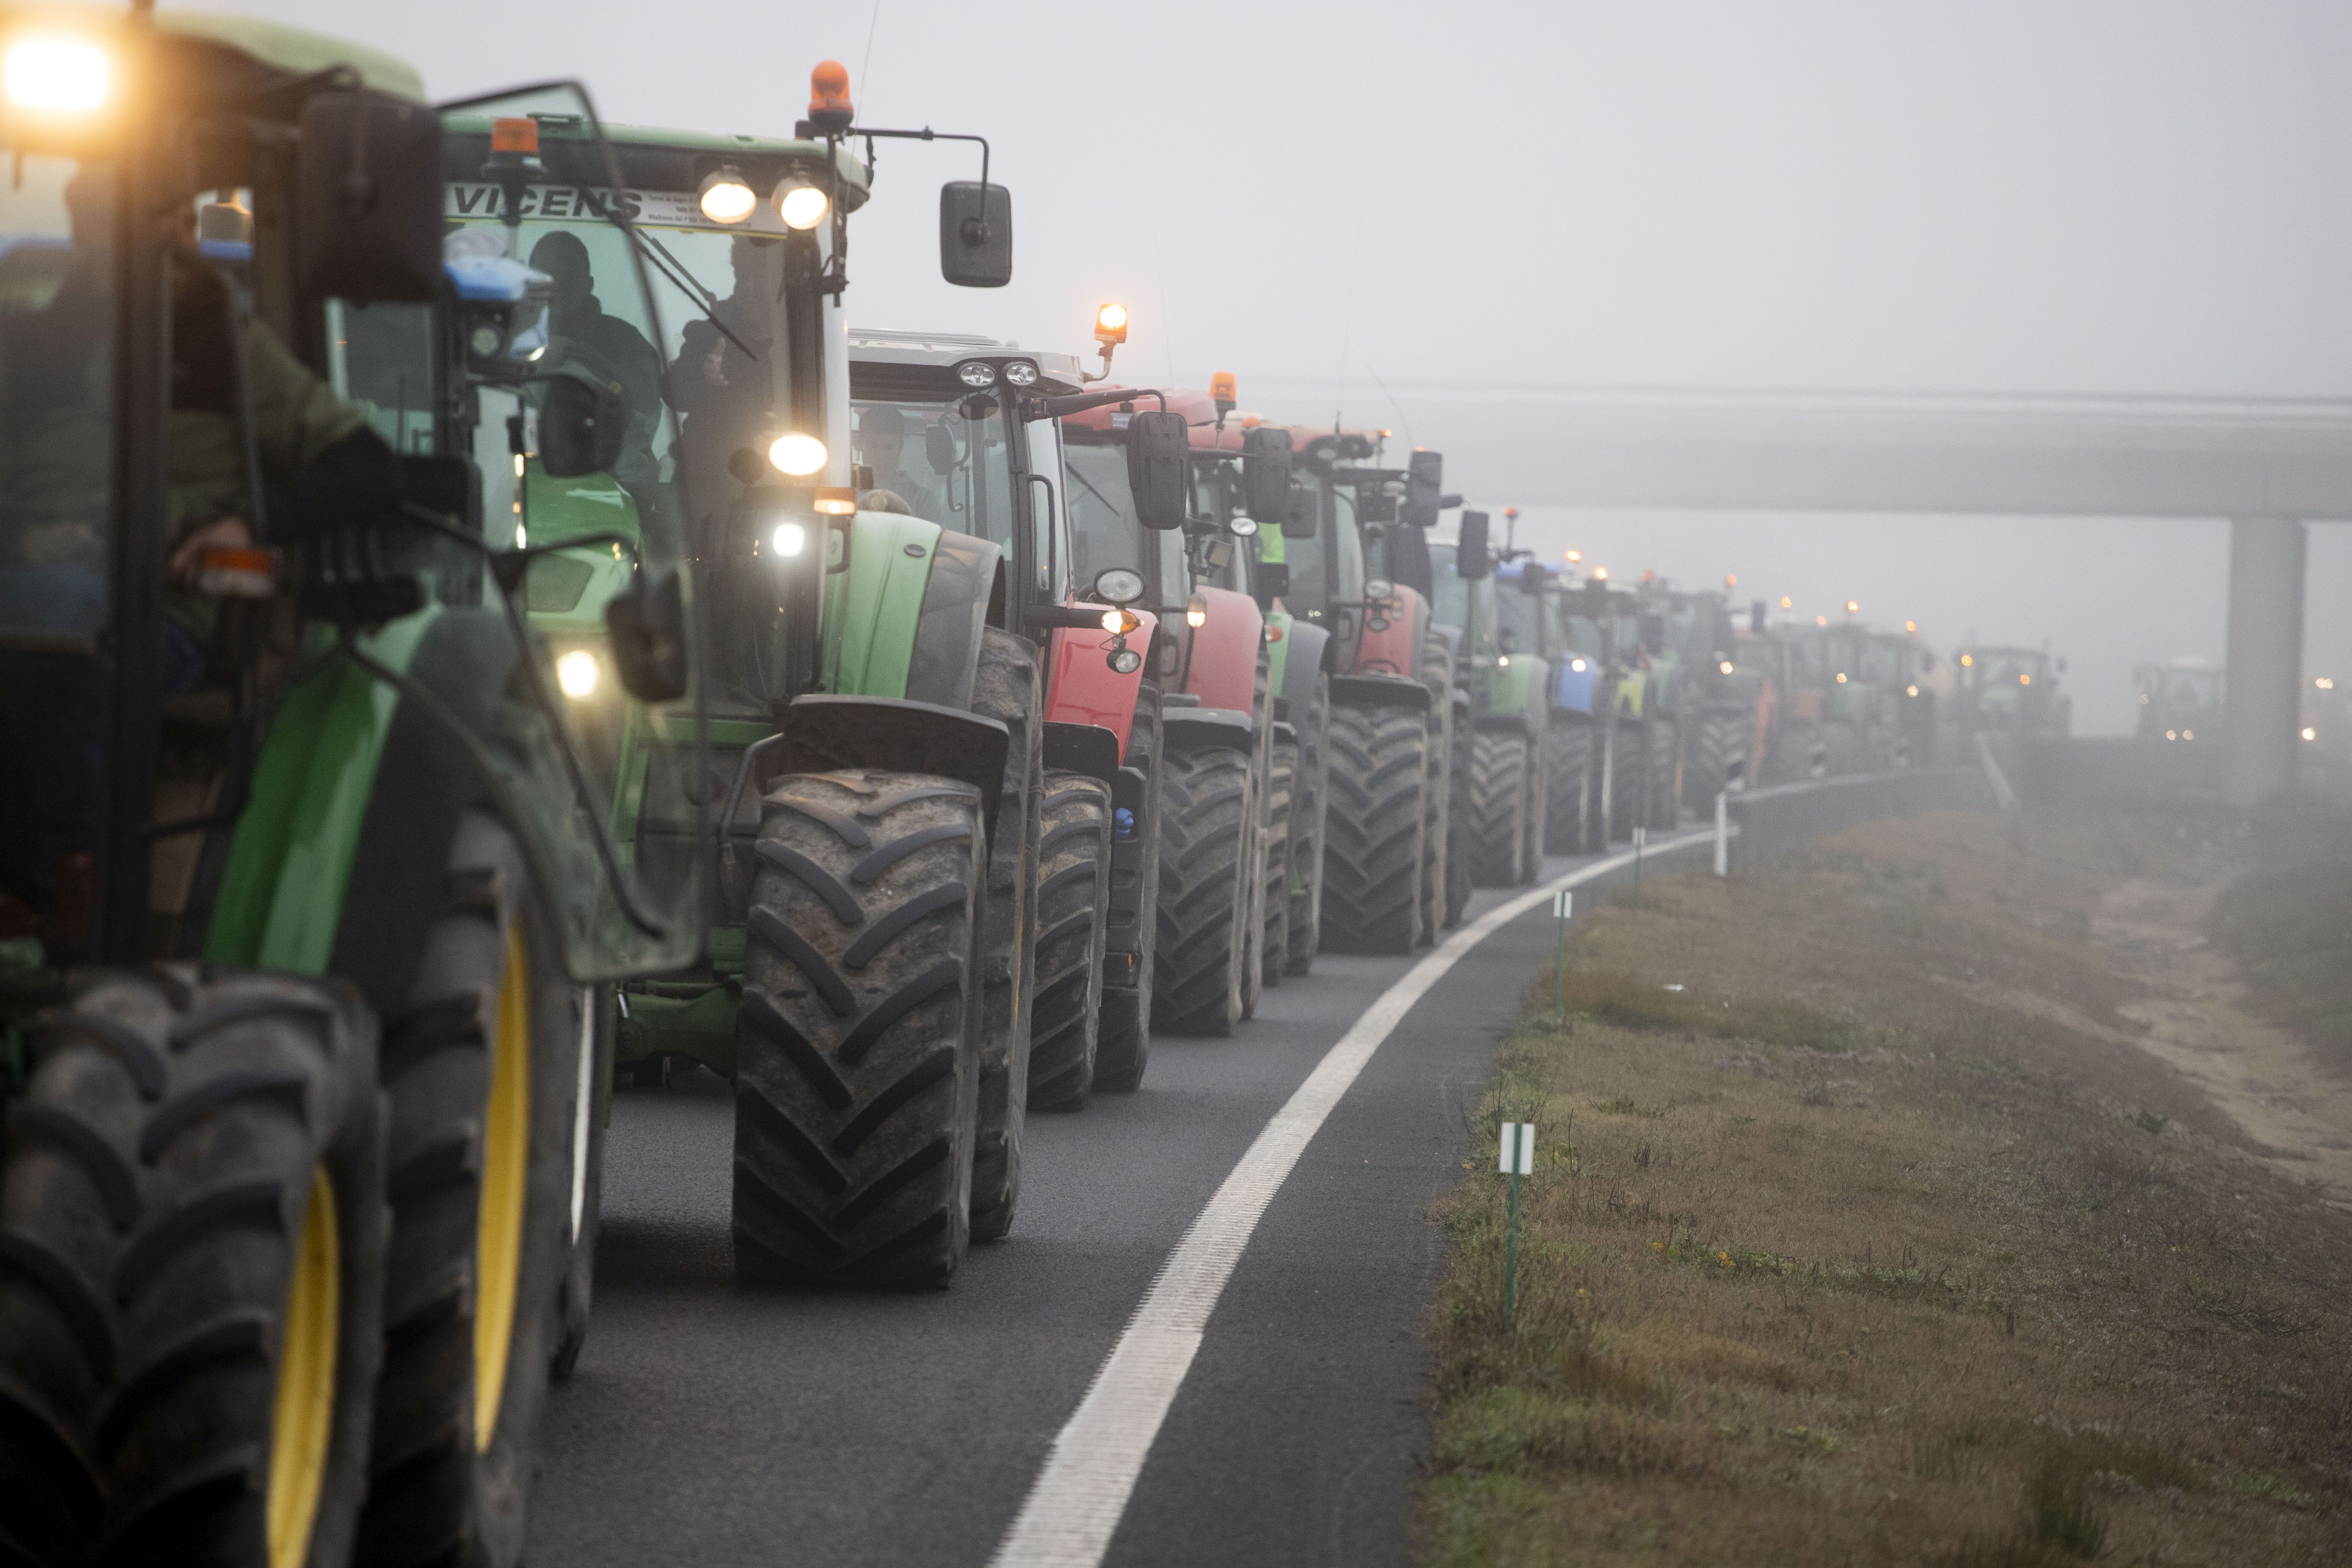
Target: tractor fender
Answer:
pixel 1393 647
pixel 1308 643
pixel 1193 729
pixel 948 626
pixel 1378 691
pixel 1081 687
pixel 823 730
pixel 1089 749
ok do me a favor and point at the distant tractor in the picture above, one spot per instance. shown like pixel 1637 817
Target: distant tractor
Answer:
pixel 2012 692
pixel 2178 698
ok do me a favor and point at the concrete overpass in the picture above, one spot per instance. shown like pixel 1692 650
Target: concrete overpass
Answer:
pixel 2268 467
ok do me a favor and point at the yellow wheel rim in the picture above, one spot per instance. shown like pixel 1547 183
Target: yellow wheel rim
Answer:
pixel 506 1172
pixel 302 1418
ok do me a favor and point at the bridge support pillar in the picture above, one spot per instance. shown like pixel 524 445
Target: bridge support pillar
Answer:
pixel 2264 697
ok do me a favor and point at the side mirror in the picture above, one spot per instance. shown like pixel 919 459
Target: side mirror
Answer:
pixel 1406 553
pixel 647 625
pixel 975 234
pixel 1534 577
pixel 581 425
pixel 1266 472
pixel 939 448
pixel 1470 561
pixel 367 200
pixel 1272 579
pixel 1159 460
pixel 1303 518
pixel 1423 482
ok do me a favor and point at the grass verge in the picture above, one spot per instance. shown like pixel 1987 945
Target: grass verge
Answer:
pixel 1879 1241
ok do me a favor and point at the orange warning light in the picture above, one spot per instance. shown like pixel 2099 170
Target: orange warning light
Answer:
pixel 1222 391
pixel 514 135
pixel 1110 323
pixel 829 93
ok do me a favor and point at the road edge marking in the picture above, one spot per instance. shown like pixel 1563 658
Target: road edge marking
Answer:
pixel 1076 1503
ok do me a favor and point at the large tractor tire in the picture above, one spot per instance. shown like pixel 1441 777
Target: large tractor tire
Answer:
pixel 1457 825
pixel 191 1273
pixel 481 1066
pixel 1373 827
pixel 1495 816
pixel 1263 889
pixel 1444 764
pixel 1123 1043
pixel 1073 890
pixel 1568 758
pixel 857 1081
pixel 1277 821
pixel 1205 876
pixel 1534 845
pixel 1006 688
pixel 1719 744
pixel 1658 791
pixel 1628 751
pixel 600 1029
pixel 1307 809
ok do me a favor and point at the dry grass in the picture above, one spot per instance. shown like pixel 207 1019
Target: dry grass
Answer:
pixel 1850 1252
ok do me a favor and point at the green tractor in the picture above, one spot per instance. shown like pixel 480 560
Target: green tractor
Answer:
pixel 874 778
pixel 1502 796
pixel 310 875
pixel 2012 692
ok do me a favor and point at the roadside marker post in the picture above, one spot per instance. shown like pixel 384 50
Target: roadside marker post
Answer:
pixel 1641 836
pixel 1563 904
pixel 1519 1159
pixel 1723 833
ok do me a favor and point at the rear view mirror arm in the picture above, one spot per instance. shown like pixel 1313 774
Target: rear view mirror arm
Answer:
pixel 1081 402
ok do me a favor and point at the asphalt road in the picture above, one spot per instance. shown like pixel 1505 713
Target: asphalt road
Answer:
pixel 715 1426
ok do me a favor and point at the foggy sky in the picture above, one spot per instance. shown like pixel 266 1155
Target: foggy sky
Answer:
pixel 1996 198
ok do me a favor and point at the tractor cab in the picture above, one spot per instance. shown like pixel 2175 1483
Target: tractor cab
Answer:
pixel 2178 698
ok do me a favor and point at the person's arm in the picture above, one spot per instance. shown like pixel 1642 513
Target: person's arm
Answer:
pixel 296 416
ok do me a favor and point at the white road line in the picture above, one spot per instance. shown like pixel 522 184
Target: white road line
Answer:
pixel 1075 1506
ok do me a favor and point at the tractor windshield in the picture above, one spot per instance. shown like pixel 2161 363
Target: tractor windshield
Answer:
pixel 947 461
pixel 1104 530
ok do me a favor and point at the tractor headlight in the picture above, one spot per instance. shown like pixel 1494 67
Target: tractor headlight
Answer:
pixel 976 373
pixel 725 198
pixel 802 206
pixel 1021 372
pixel 578 673
pixel 797 454
pixel 789 540
pixel 62 75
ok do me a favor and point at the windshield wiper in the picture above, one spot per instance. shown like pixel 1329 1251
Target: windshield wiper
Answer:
pixel 1079 475
pixel 671 268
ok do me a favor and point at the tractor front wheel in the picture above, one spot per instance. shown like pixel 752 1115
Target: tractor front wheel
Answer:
pixel 1205 878
pixel 856 1078
pixel 1073 888
pixel 1494 814
pixel 481 1068
pixel 1373 825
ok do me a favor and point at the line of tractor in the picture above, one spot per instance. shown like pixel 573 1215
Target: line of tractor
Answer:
pixel 479 628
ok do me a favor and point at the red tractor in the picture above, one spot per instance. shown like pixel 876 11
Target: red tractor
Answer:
pixel 1211 661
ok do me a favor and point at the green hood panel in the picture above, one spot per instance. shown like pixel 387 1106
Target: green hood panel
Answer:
pixel 873 608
